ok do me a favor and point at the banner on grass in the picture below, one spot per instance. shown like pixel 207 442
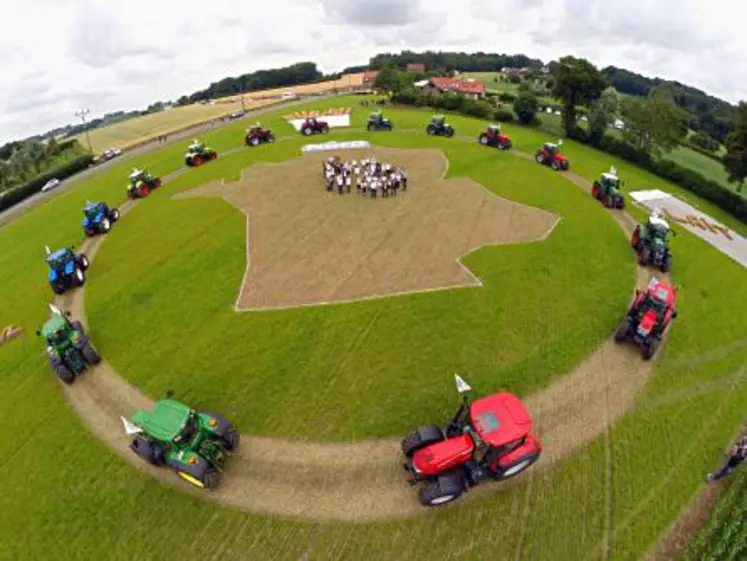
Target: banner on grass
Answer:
pixel 697 222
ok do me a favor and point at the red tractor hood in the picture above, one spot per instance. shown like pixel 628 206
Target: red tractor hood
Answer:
pixel 443 455
pixel 503 137
pixel 647 323
pixel 560 157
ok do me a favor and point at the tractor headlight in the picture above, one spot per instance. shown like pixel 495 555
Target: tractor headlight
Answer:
pixel 77 338
pixel 53 352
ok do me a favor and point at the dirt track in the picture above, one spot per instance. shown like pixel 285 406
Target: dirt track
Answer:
pixel 364 481
pixel 306 246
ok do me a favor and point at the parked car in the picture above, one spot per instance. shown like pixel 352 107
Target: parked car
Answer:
pixel 51 184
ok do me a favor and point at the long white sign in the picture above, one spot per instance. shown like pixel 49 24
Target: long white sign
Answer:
pixel 334 145
pixel 697 222
pixel 334 121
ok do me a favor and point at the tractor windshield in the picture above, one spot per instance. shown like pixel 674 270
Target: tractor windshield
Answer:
pixel 58 259
pixel 188 431
pixel 57 338
pixel 92 210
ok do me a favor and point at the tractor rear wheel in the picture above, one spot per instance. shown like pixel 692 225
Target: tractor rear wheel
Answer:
pixel 430 129
pixel 622 332
pixel 441 491
pixel 521 464
pixel 554 165
pixel 63 372
pixel 232 439
pixel 90 354
pixel 595 191
pixel 105 225
pixel 82 261
pixel 449 132
pixel 483 139
pixel 144 192
pixel 79 277
pixel 90 232
pixel 254 141
pixel 115 215
pixel 58 288
pixel 666 263
pixel 424 436
pixel 150 451
pixel 306 131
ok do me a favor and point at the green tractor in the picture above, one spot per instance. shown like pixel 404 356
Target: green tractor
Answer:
pixel 197 154
pixel 607 190
pixel 651 242
pixel 69 350
pixel 141 184
pixel 195 444
pixel 377 121
pixel 439 127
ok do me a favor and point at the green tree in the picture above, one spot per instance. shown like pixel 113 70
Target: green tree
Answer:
pixel 654 124
pixel 525 107
pixel 576 82
pixel 387 80
pixel 603 112
pixel 735 160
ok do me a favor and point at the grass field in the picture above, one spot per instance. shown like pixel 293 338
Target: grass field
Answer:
pixel 161 320
pixel 131 132
pixel 704 165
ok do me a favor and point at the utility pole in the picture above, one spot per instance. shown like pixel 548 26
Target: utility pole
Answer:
pixel 82 114
pixel 243 109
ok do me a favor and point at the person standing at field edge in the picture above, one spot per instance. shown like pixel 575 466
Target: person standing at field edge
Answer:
pixel 736 456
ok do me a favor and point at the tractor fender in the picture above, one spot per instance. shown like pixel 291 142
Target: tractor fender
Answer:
pixel 221 427
pixel 531 445
pixel 196 470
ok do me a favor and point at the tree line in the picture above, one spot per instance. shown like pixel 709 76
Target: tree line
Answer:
pixel 23 160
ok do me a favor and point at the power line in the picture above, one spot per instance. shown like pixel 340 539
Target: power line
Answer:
pixel 82 114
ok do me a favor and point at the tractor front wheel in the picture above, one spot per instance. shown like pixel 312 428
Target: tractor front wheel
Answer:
pixel 82 261
pixel 270 138
pixel 430 129
pixel 666 264
pixel 79 277
pixel 644 257
pixel 306 131
pixel 212 155
pixel 554 165
pixel 444 490
pixel 90 354
pixel 650 349
pixel 595 191
pixel 115 214
pixel 90 232
pixel 63 373
pixel 449 132
pixel 483 139
pixel 539 159
pixel 105 225
pixel 635 239
pixel 151 452
pixel 424 436
pixel 254 141
pixel 622 332
pixel 521 464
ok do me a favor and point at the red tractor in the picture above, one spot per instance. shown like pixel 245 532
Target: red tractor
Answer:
pixel 314 126
pixel 256 135
pixel 550 155
pixel 493 137
pixel 490 438
pixel 649 317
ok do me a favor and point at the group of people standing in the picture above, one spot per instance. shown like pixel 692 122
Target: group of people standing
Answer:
pixel 370 176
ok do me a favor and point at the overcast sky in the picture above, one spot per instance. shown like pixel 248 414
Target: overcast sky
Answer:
pixel 63 55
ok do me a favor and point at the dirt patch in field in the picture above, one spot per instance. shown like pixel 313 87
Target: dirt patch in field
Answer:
pixel 308 246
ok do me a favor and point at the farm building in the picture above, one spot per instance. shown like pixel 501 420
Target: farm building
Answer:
pixel 469 88
pixel 415 67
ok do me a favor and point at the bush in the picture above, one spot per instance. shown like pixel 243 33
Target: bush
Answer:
pixel 503 115
pixel 480 109
pixel 526 107
pixel 507 97
pixel 514 79
pixel 704 142
pixel 17 194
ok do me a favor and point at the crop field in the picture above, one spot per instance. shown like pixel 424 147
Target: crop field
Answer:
pixel 323 393
pixel 710 169
pixel 132 132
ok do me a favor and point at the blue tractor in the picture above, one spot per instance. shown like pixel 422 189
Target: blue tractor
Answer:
pixel 98 218
pixel 67 269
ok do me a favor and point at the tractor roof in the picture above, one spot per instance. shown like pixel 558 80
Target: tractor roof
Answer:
pixel 54 323
pixel 165 421
pixel 438 117
pixel 136 173
pixel 610 176
pixel 494 127
pixel 662 292
pixel 500 418
pixel 63 253
pixel 551 146
pixel 92 206
pixel 656 221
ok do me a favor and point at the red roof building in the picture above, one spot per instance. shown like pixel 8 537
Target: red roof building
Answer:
pixel 369 76
pixel 469 88
pixel 415 67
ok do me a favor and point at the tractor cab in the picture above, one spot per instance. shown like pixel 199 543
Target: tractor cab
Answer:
pixel 136 175
pixel 438 120
pixel 658 228
pixel 196 147
pixel 56 330
pixel 551 148
pixel 169 421
pixel 58 260
pixel 310 121
pixel 493 131
pixel 610 182
pixel 376 117
pixel 93 210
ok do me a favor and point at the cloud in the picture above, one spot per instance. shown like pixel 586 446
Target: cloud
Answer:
pixel 373 12
pixel 112 57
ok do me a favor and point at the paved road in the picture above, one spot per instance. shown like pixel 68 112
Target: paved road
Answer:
pixel 27 204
